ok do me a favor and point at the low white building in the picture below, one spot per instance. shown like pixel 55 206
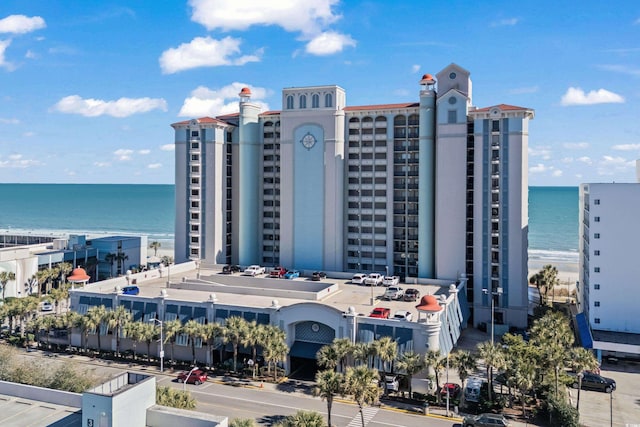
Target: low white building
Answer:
pixel 609 269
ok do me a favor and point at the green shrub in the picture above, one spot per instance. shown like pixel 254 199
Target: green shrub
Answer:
pixel 167 396
pixel 561 412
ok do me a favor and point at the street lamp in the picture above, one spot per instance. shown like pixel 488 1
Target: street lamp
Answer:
pixel 446 321
pixel 161 344
pixel 498 291
pixel 184 384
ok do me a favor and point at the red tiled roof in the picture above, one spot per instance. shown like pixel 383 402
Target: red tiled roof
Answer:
pixel 203 120
pixel 503 107
pixel 271 113
pixel 383 106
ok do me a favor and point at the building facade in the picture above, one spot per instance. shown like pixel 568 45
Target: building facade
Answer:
pixel 428 189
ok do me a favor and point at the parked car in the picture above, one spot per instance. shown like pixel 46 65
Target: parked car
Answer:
pixel 46 306
pixel 278 272
pixel 318 275
pixel 373 279
pixel 130 290
pixel 472 390
pixel 381 313
pixel 591 381
pixel 393 293
pixel 197 377
pixel 230 269
pixel 254 270
pixel 391 383
pixel 485 420
pixel 358 278
pixel 292 274
pixel 411 294
pixel 452 388
pixel 403 315
pixel 390 280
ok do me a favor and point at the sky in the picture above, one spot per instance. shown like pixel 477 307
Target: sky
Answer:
pixel 88 89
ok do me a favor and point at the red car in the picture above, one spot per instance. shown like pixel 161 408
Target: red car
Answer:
pixel 197 377
pixel 381 313
pixel 452 388
pixel 278 272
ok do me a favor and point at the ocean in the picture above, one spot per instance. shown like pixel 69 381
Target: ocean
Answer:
pixel 100 209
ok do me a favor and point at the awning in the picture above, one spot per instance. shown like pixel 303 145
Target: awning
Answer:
pixel 305 350
pixel 584 331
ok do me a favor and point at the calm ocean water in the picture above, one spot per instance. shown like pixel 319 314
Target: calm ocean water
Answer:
pixel 149 209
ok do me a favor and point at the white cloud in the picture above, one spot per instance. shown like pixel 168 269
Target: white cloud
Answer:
pixel 20 24
pixel 623 69
pixel 626 147
pixel 29 134
pixel 567 160
pixel 306 16
pixel 143 152
pixel 16 161
pixel 154 165
pixel 4 44
pixel 539 168
pixel 122 107
pixel 415 68
pixel 168 147
pixel 123 154
pixel 328 43
pixel 214 102
pixel 576 96
pixel 205 52
pixel 9 121
pixel 576 145
pixel 556 173
pixel 610 165
pixel 30 55
pixel 508 22
pixel 101 164
pixel 585 159
pixel 543 152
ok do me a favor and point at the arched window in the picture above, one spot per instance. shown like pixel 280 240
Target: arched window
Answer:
pixel 315 101
pixel 328 100
pixel 303 101
pixel 289 102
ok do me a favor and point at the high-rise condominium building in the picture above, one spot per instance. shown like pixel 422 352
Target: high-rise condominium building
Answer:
pixel 435 188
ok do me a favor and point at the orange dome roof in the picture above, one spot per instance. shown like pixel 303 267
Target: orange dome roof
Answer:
pixel 78 275
pixel 429 303
pixel 245 91
pixel 427 79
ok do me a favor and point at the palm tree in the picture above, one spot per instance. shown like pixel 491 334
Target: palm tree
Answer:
pixel 25 309
pixel 6 277
pixel 465 363
pixel 88 324
pixel 545 280
pixel 43 277
pixel 361 383
pixel 329 383
pixel 111 259
pixel 134 331
pixel 116 320
pixel 303 419
pixel 236 329
pixel 58 295
pixel 327 357
pixel 148 333
pixel 214 335
pixel 155 245
pixel 434 360
pixel 343 348
pixel 411 363
pixel 121 257
pixel 242 422
pixel 493 357
pixel 171 330
pixel 194 330
pixel 582 360
pixel 275 351
pixel 387 352
pixel 64 268
pixel 99 315
pixel 68 321
pixel 31 285
pixel 362 351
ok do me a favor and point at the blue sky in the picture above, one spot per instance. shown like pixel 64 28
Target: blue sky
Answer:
pixel 89 88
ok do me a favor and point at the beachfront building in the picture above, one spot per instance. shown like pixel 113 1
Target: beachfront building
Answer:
pixel 432 188
pixel 607 289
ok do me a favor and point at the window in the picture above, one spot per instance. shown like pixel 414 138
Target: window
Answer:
pixel 315 101
pixel 289 102
pixel 328 100
pixel 452 116
pixel 596 286
pixel 596 253
pixel 303 101
pixel 596 219
pixel 596 320
pixel 495 126
pixel 596 269
pixel 194 134
pixel 596 303
pixel 596 235
pixel 596 201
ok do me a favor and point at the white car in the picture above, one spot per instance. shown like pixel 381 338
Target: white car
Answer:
pixel 390 281
pixel 358 278
pixel 393 292
pixel 373 279
pixel 403 315
pixel 391 383
pixel 254 270
pixel 46 306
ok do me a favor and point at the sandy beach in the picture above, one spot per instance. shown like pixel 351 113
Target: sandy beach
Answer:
pixel 567 273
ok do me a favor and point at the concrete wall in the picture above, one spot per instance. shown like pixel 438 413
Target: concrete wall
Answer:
pixel 161 416
pixel 41 394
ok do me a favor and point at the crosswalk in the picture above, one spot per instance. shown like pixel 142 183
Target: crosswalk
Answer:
pixel 369 412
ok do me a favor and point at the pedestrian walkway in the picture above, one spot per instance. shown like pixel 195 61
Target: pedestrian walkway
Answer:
pixel 368 413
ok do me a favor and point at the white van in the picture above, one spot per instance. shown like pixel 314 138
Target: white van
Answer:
pixel 472 389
